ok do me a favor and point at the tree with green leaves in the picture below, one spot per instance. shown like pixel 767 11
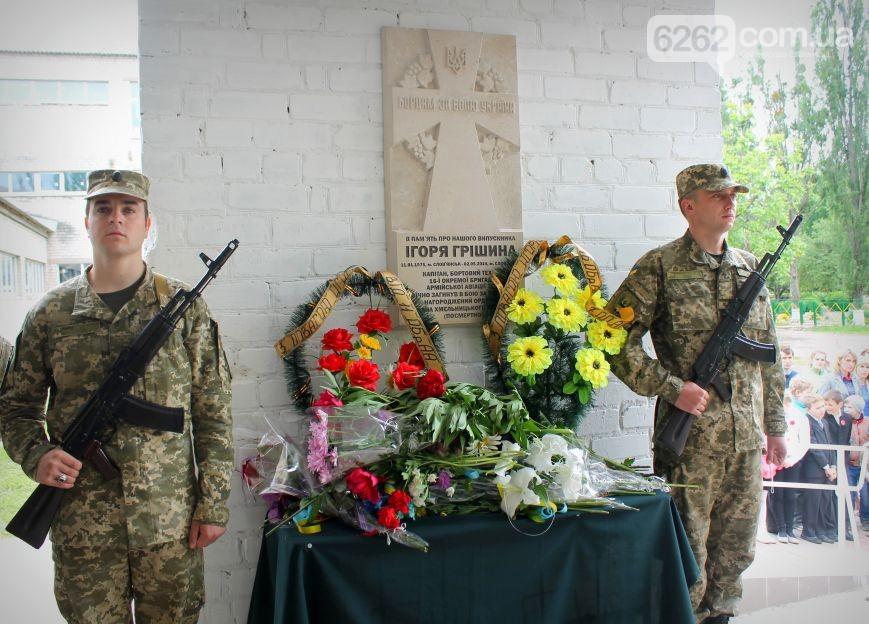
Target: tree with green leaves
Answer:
pixel 775 167
pixel 841 69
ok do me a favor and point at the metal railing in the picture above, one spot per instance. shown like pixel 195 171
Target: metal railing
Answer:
pixel 841 487
pixel 815 311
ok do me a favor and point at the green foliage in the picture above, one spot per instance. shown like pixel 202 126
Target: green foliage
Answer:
pixel 774 168
pixel 466 413
pixel 842 73
pixel 15 487
pixel 812 158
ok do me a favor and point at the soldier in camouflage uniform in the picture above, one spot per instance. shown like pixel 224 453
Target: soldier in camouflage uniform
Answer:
pixel 140 536
pixel 677 292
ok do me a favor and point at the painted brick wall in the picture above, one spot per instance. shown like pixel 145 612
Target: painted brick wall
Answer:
pixel 263 121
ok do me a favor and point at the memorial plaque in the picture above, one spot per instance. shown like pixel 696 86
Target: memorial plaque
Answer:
pixel 452 172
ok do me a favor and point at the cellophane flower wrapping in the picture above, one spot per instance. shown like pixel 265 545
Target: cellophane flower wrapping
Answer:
pixel 341 438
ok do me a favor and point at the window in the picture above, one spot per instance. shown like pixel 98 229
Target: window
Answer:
pixel 75 181
pixel 34 277
pixel 43 182
pixel 134 105
pixel 22 182
pixel 14 91
pixel 8 273
pixel 69 271
pixel 54 92
pixel 97 92
pixel 49 181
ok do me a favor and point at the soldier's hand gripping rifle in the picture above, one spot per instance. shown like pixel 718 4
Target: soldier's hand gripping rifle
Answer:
pixel 726 341
pixel 110 402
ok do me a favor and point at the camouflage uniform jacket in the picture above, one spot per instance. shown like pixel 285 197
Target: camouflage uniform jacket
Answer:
pixel 677 292
pixel 67 344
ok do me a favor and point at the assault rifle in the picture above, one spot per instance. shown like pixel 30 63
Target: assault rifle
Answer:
pixel 726 341
pixel 97 419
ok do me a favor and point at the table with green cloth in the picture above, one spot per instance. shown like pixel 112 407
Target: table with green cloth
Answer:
pixel 628 567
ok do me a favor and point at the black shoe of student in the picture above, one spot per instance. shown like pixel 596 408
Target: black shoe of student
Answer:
pixel 828 538
pixel 811 537
pixel 717 619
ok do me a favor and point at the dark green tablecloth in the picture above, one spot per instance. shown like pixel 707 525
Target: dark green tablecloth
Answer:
pixel 626 568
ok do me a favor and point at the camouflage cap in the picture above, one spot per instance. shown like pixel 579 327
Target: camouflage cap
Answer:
pixel 706 177
pixel 105 181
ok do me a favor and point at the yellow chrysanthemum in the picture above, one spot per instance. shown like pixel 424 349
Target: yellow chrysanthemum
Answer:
pixel 593 367
pixel 585 294
pixel 560 277
pixel 529 356
pixel 525 307
pixel 606 338
pixel 369 341
pixel 364 353
pixel 565 314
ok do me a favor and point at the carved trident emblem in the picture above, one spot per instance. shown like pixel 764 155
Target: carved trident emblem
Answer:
pixel 457 58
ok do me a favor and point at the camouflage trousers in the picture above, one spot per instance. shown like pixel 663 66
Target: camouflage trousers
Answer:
pixel 720 519
pixel 95 585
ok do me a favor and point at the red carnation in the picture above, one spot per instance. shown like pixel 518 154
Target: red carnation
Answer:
pixel 338 339
pixel 363 484
pixel 399 500
pixel 374 322
pixel 327 399
pixel 431 385
pixel 363 374
pixel 333 363
pixel 405 375
pixel 409 352
pixel 387 518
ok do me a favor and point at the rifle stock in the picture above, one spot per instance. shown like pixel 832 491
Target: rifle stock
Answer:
pixel 110 402
pixel 34 519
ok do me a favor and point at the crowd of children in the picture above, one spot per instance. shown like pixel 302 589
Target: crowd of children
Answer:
pixel 824 405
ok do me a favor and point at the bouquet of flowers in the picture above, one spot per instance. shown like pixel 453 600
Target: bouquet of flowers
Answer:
pixel 361 499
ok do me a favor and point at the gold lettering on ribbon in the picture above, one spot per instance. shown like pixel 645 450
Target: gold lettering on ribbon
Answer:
pixel 494 329
pixel 401 297
pixel 334 292
pixel 594 277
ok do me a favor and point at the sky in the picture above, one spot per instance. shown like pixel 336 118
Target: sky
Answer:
pixel 759 14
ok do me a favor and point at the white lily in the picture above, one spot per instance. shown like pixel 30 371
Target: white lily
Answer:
pixel 516 491
pixel 571 475
pixel 541 451
pixel 506 463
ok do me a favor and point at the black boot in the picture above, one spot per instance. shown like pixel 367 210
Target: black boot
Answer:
pixel 717 619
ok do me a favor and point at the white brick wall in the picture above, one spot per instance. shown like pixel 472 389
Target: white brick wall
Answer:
pixel 262 120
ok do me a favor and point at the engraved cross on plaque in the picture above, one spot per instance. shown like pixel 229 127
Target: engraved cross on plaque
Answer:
pixel 458 185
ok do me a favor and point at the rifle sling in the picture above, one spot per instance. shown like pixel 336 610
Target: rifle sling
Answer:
pixel 146 414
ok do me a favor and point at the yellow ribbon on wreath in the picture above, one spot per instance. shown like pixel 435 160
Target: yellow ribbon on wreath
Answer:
pixel 534 254
pixel 335 290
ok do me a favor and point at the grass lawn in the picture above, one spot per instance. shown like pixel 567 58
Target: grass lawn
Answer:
pixel 841 329
pixel 15 487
